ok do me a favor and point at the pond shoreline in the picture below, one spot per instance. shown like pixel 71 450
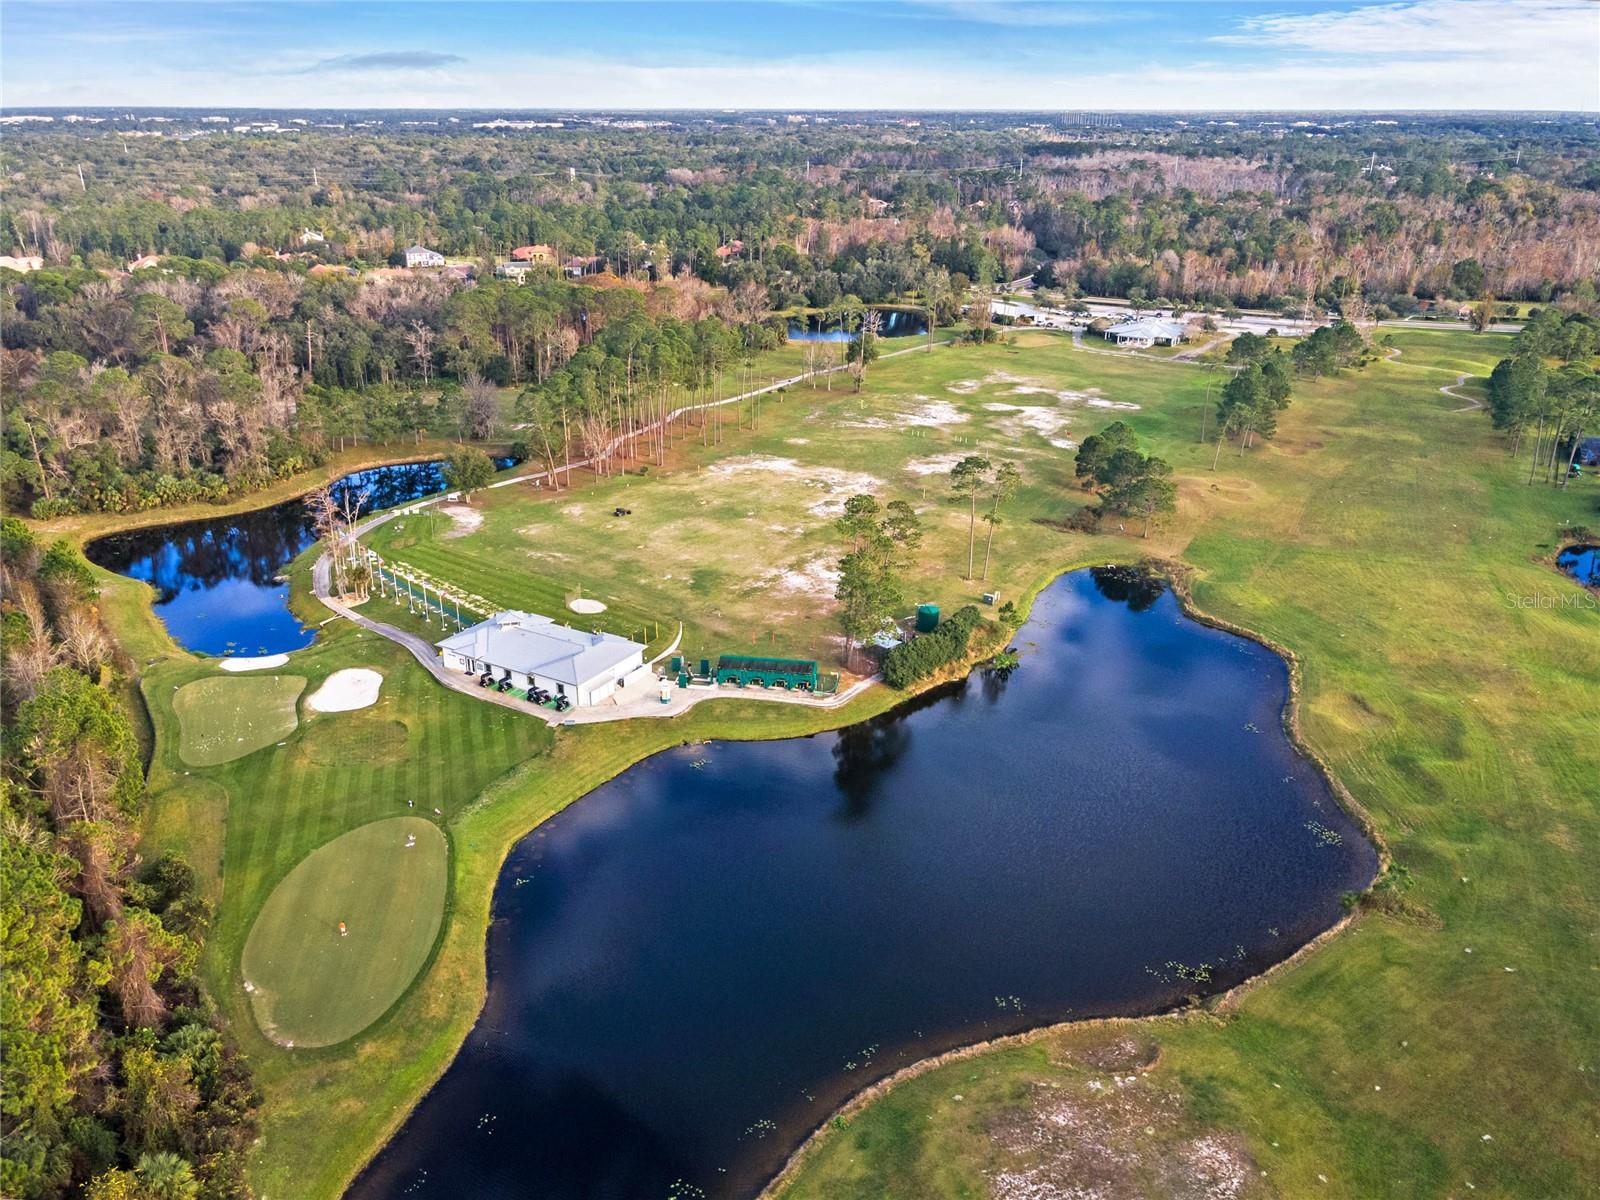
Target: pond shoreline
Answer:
pixel 1172 574
pixel 1177 576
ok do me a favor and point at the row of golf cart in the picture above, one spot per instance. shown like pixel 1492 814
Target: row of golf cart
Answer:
pixel 535 693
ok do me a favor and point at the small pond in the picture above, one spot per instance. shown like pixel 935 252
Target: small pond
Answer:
pixel 692 966
pixel 218 580
pixel 893 323
pixel 1582 563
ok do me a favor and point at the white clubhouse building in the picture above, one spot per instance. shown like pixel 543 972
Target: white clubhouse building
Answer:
pixel 535 651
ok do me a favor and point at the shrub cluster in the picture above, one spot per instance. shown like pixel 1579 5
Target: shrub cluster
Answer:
pixel 922 656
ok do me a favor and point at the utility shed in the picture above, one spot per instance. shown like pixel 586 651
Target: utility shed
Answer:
pixel 532 650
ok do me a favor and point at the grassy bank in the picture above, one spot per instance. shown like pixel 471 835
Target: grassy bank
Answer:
pixel 1444 1041
pixel 1383 537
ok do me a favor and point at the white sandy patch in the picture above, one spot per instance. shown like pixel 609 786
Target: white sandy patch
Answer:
pixel 346 689
pixel 585 605
pixel 1063 443
pixel 797 441
pixel 1119 405
pixel 835 484
pixel 463 520
pixel 816 578
pixel 965 387
pixel 939 464
pixel 572 510
pixel 934 413
pixel 259 663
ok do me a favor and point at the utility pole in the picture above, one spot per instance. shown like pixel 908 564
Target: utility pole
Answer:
pixel 84 184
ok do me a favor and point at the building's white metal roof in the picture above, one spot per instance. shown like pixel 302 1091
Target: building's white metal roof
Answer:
pixel 536 645
pixel 1149 327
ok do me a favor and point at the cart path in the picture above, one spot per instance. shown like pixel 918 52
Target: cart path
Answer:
pixel 1471 403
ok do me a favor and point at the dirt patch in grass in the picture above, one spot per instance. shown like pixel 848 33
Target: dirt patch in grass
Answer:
pixel 836 485
pixel 938 464
pixel 1108 1130
pixel 463 520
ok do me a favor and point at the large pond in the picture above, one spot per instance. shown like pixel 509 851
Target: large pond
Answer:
pixel 218 581
pixel 692 966
pixel 893 323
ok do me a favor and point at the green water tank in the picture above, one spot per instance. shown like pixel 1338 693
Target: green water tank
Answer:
pixel 927 618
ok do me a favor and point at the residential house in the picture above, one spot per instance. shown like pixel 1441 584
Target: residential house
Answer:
pixel 531 254
pixel 421 256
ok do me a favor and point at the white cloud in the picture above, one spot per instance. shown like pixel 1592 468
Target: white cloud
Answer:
pixel 1424 54
pixel 1480 29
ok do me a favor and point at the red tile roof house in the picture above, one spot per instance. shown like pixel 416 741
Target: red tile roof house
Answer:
pixel 729 250
pixel 539 253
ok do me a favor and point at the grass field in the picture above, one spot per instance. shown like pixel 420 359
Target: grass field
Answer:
pixel 1449 676
pixel 228 716
pixel 313 984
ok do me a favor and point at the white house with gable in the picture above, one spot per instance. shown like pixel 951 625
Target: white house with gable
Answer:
pixel 529 649
pixel 421 256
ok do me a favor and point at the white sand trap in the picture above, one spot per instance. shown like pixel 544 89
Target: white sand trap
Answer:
pixel 584 605
pixel 463 520
pixel 346 689
pixel 260 663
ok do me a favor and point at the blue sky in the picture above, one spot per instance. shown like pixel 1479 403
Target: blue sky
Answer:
pixel 988 54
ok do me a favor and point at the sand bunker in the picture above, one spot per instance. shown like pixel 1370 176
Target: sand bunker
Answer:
pixel 584 605
pixel 260 663
pixel 463 520
pixel 345 690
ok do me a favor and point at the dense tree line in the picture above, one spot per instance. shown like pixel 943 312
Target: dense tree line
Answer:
pixel 1353 215
pixel 1555 406
pixel 195 382
pixel 119 1082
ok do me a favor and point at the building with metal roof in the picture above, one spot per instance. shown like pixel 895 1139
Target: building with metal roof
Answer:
pixel 1147 331
pixel 531 650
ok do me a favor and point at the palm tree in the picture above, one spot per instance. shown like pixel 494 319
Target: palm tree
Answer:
pixel 1006 478
pixel 167 1176
pixel 967 478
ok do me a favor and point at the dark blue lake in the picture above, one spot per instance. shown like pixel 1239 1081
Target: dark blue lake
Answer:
pixel 1582 563
pixel 892 323
pixel 692 966
pixel 217 580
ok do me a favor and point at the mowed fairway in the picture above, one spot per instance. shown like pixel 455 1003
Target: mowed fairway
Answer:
pixel 311 984
pixel 1382 536
pixel 227 717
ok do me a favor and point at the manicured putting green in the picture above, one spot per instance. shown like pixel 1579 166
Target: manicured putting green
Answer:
pixel 310 984
pixel 226 717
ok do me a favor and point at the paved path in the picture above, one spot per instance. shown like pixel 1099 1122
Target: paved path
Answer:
pixel 1449 389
